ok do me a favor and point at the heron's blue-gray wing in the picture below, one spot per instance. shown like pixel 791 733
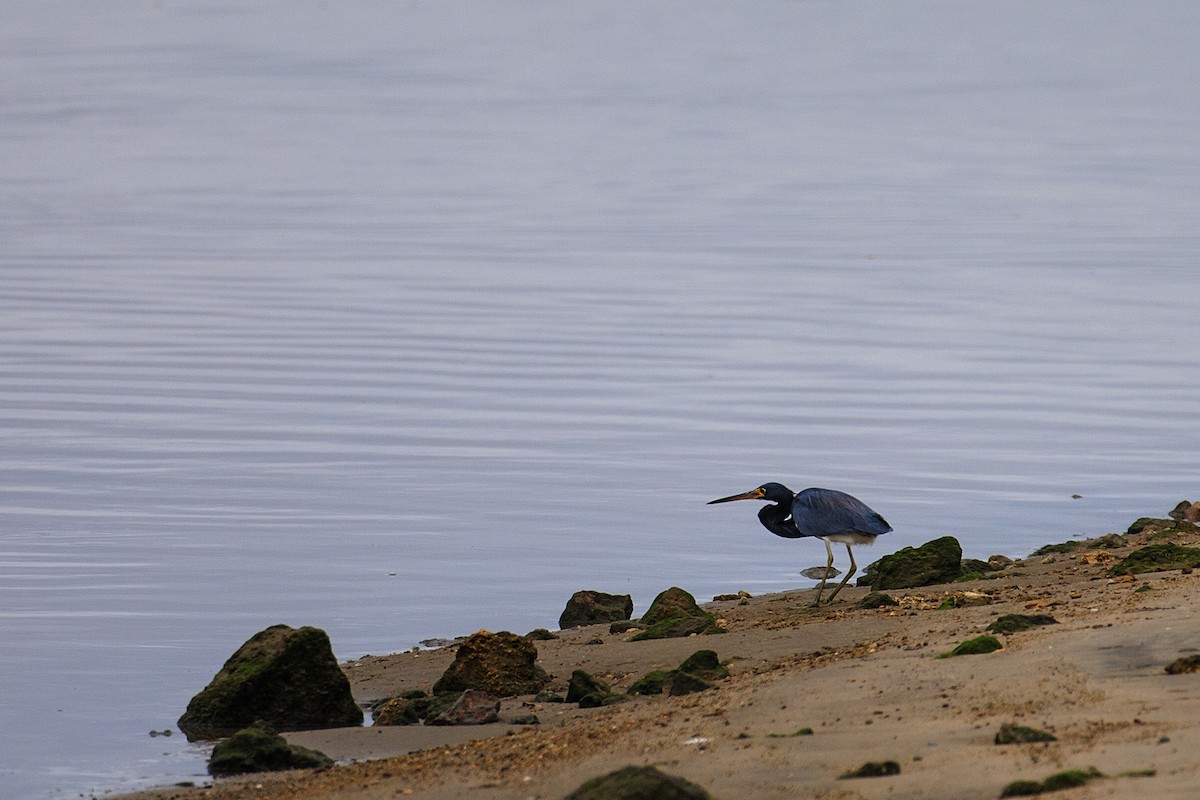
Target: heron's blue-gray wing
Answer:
pixel 828 512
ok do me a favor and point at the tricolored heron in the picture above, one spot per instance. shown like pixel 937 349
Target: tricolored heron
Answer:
pixel 827 514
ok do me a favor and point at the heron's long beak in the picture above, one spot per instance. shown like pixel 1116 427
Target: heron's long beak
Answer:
pixel 753 494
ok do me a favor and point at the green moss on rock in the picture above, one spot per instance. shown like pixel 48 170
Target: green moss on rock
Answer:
pixel 638 783
pixel 260 749
pixel 1011 623
pixel 652 682
pixel 937 561
pixel 977 646
pixel 1011 733
pixel 1157 558
pixel 286 677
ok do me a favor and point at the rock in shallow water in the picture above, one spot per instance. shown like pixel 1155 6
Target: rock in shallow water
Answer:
pixel 260 749
pixel 286 677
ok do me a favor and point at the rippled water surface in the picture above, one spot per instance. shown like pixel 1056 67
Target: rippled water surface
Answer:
pixel 404 320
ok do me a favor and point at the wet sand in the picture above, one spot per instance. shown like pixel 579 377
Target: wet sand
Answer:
pixel 867 682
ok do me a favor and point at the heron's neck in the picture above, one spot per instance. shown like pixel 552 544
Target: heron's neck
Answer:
pixel 775 518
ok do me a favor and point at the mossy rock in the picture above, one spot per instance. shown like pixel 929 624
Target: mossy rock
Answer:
pixel 638 783
pixel 1106 542
pixel 686 683
pixel 878 600
pixel 502 664
pixel 678 627
pixel 1184 665
pixel 702 668
pixel 589 607
pixel 652 683
pixel 1011 623
pixel 705 664
pixel 286 677
pixel 1157 558
pixel 1022 789
pixel 1012 733
pixel 583 684
pixel 977 646
pixel 674 603
pixel 260 749
pixel 937 561
pixel 1070 779
pixel 874 769
pixel 1157 525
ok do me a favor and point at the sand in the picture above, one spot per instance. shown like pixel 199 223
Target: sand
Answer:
pixel 867 682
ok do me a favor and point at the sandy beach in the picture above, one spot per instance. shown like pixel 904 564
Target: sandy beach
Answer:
pixel 868 683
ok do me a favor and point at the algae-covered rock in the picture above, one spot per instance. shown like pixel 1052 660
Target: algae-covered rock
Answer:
pixel 701 668
pixel 673 614
pixel 1011 623
pixel 286 677
pixel 1070 779
pixel 638 783
pixel 1022 788
pixel 1151 525
pixel 938 561
pixel 977 646
pixel 704 664
pixel 502 664
pixel 589 607
pixel 686 683
pixel 260 749
pixel 1012 733
pixel 878 600
pixel 652 682
pixel 1108 541
pixel 873 769
pixel 1157 558
pixel 1184 665
pixel 587 690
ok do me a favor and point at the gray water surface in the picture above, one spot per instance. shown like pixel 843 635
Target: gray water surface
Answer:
pixel 404 320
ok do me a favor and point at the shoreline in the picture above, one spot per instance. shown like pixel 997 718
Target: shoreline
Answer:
pixel 867 682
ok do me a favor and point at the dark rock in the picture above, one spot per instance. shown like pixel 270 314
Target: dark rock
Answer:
pixel 547 696
pixel 471 708
pixel 502 664
pixel 620 626
pixel 977 646
pixel 679 627
pixel 1152 525
pixel 652 682
pixel 1022 789
pixel 1184 665
pixel 1157 558
pixel 1108 541
pixel 260 749
pixel 409 710
pixel 1070 779
pixel 877 600
pixel 1011 733
pixel 674 603
pixel 525 719
pixel 638 783
pixel 704 664
pixel 975 566
pixel 541 635
pixel 583 684
pixel 938 561
pixel 1011 623
pixel 874 769
pixel 1180 510
pixel 674 613
pixel 588 607
pixel 1000 562
pixel 686 683
pixel 286 677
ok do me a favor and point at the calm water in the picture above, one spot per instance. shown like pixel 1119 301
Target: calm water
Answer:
pixel 404 320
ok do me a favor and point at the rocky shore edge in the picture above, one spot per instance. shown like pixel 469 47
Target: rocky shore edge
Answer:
pixel 1091 645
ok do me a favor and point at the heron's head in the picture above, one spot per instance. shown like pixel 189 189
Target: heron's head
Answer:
pixel 773 492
